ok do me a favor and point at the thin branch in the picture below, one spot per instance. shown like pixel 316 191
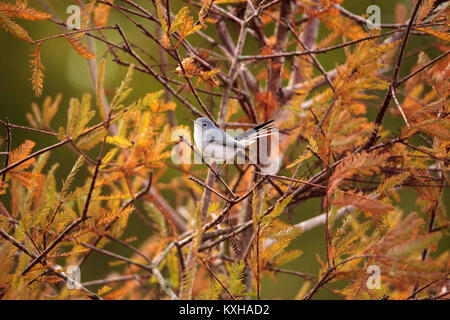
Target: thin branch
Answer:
pixel 399 82
pixel 83 214
pixel 183 139
pixel 323 50
pixel 94 178
pixel 180 63
pixel 8 148
pixel 21 247
pixel 115 279
pixel 116 256
pixel 399 106
pixel 72 32
pixel 14 126
pixel 209 188
pixel 217 278
pixel 381 113
pixel 234 65
pixel 313 57
pixel 126 245
pixel 281 35
pixel 33 155
pixel 61 143
pixel 158 77
pixel 364 21
pixel 110 224
pixel 58 239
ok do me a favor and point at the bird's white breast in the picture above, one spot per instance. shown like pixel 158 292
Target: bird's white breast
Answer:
pixel 198 138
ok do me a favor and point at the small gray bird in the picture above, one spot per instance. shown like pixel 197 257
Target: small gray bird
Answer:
pixel 216 144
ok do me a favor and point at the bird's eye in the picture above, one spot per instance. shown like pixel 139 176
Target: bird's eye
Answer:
pixel 204 124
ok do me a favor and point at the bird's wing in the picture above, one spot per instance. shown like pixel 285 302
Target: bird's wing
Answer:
pixel 217 137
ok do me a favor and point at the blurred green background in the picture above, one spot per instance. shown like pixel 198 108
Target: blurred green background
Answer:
pixel 68 74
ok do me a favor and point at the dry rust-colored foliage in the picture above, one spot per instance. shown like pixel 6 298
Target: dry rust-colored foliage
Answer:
pixel 219 235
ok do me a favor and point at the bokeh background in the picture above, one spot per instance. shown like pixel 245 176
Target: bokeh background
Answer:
pixel 67 73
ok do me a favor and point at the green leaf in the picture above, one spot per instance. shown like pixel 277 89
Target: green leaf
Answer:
pixel 72 116
pixel 160 10
pixel 90 140
pixel 236 280
pixel 123 90
pixel 416 245
pixel 150 98
pixel 69 180
pixel 212 292
pixel 313 144
pixel 392 182
pixel 108 157
pixel 188 278
pixel 179 20
pixel 119 141
pixel 300 158
pixel 85 114
pixel 277 211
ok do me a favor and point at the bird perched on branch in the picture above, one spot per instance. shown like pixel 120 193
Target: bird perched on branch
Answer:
pixel 217 145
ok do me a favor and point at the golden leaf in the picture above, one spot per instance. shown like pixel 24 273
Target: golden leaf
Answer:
pixel 440 35
pixel 204 11
pixel 15 29
pixel 114 214
pixel 81 49
pixel 115 294
pixel 37 78
pixel 20 10
pixel 18 154
pixel 119 141
pixel 101 14
pixel 103 290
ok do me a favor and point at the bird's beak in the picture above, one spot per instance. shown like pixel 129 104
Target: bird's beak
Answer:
pixel 193 121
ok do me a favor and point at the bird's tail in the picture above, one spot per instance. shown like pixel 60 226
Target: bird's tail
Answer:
pixel 251 136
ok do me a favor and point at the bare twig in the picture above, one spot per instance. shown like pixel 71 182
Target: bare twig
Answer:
pixel 63 276
pixel 399 107
pixel 380 116
pixel 217 279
